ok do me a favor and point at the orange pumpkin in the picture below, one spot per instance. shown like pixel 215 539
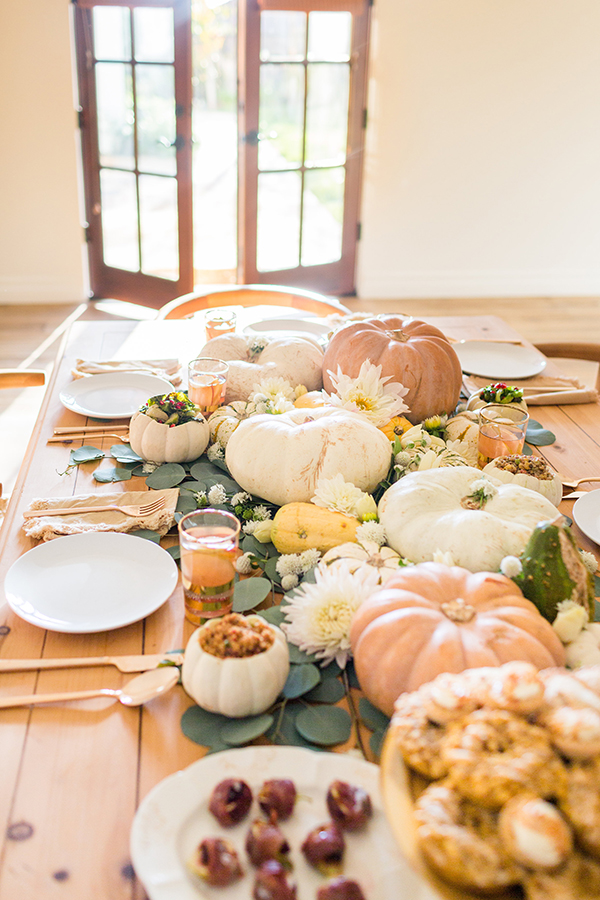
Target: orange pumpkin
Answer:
pixel 395 427
pixel 412 352
pixel 311 400
pixel 432 618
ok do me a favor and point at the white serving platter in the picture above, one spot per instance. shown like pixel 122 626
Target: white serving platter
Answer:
pixel 114 395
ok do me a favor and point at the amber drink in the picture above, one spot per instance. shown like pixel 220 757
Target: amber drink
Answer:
pixel 219 321
pixel 207 382
pixel 502 431
pixel 208 540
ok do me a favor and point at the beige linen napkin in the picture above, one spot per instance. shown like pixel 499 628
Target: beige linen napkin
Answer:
pixel 49 527
pixel 165 368
pixel 549 386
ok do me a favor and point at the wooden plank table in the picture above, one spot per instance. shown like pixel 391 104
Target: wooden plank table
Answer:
pixel 74 774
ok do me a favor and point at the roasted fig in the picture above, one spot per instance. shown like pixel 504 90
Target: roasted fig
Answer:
pixel 324 847
pixel 230 801
pixel 276 798
pixel 271 883
pixel 216 862
pixel 266 841
pixel 349 806
pixel 340 889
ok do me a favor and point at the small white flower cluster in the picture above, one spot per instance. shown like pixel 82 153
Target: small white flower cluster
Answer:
pixel 371 531
pixel 342 496
pixel 215 451
pixel 217 495
pixel 511 566
pixel 240 497
pixel 244 563
pixel 149 467
pixel 290 566
pixel 484 488
pixel 589 561
pixel 275 395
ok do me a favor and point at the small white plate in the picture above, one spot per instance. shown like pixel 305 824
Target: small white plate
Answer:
pixel 586 514
pixel 292 325
pixel 173 818
pixel 500 361
pixel 95 581
pixel 113 395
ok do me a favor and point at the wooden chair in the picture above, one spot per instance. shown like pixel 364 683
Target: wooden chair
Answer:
pixel 251 295
pixel 573 350
pixel 20 378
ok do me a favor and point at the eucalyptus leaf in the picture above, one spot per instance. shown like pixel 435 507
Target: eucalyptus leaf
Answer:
pixel 251 545
pixel 301 679
pixel 174 551
pixel 186 503
pixel 274 615
pixel 166 476
pixel 201 726
pixel 217 746
pixel 147 534
pixel 139 472
pixel 596 611
pixel 527 451
pixel 538 435
pixel 112 474
pixel 300 656
pixel 284 729
pixel 241 731
pixel 202 468
pixel 331 690
pixel 597 585
pixel 124 453
pixel 85 454
pixel 372 717
pixel 326 725
pixel 249 593
pixel 196 486
pixel 331 670
pixel 352 676
pixel 376 743
pixel 270 570
pixel 568 521
pixel 310 577
pixel 221 464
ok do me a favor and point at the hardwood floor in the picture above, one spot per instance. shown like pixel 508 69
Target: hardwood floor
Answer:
pixel 29 337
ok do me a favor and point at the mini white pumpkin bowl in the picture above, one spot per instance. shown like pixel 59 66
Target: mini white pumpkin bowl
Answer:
pixel 159 443
pixel 235 686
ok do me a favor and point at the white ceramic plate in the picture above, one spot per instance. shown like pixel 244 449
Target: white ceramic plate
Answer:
pixel 586 514
pixel 292 325
pixel 499 361
pixel 114 395
pixel 173 818
pixel 95 581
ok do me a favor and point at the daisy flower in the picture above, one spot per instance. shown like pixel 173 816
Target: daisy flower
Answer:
pixel 319 616
pixel 371 531
pixel 369 394
pixel 337 494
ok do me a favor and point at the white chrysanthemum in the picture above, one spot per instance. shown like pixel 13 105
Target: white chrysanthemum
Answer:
pixel 239 498
pixel 262 406
pixel 369 394
pixel 589 561
pixel 280 404
pixel 288 582
pixel 337 494
pixel 319 616
pixel 309 558
pixel 243 564
pixel 443 557
pixel 288 564
pixel 271 388
pixel 250 527
pixel 217 494
pixel 466 449
pixel 261 513
pixel 371 531
pixel 215 451
pixel 511 566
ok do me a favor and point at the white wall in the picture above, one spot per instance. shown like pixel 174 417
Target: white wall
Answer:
pixel 483 162
pixel 482 168
pixel 41 258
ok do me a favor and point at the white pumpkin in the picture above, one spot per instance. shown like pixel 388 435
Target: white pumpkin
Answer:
pixel 233 686
pixel 445 510
pixel 531 472
pixel 282 458
pixel 362 555
pixel 253 359
pixel 159 443
pixel 225 420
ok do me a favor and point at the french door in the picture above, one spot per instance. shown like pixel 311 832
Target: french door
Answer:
pixel 151 145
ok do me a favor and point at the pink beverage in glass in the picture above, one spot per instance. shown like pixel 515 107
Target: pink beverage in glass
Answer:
pixel 501 432
pixel 207 382
pixel 208 555
pixel 218 322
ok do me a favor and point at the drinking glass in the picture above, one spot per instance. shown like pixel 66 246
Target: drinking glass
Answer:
pixel 219 321
pixel 208 540
pixel 207 380
pixel 501 431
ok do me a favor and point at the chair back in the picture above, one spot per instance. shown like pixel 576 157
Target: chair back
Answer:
pixel 20 378
pixel 252 295
pixel 573 350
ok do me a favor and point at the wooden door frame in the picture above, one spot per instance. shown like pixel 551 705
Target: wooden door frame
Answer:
pixel 337 277
pixel 106 281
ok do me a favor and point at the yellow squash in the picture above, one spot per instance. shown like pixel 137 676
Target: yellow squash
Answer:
pixel 303 526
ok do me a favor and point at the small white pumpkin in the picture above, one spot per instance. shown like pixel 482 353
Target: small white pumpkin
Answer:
pixel 226 419
pixel 474 517
pixel 531 472
pixel 282 458
pixel 363 554
pixel 253 359
pixel 235 687
pixel 159 443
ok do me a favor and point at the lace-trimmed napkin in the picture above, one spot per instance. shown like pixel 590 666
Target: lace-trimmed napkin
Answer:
pixel 548 389
pixel 165 368
pixel 49 527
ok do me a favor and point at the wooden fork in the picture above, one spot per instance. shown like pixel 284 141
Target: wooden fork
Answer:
pixel 145 510
pixel 78 436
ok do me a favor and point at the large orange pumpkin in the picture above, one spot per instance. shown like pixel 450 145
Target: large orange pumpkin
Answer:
pixel 432 618
pixel 412 352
